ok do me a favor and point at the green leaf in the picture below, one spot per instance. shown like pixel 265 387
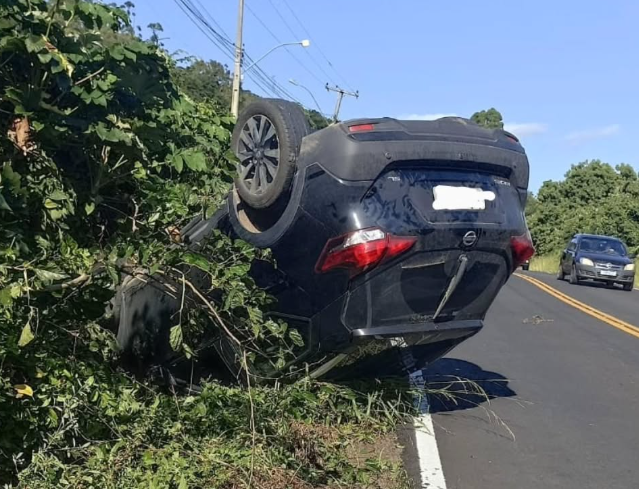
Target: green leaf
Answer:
pixel 197 261
pixel 89 208
pixel 178 163
pixel 26 336
pixel 101 100
pixel 131 55
pixel 113 274
pixel 7 23
pixel 53 417
pixel 45 58
pixel 210 210
pixel 3 204
pixel 195 161
pixel 58 195
pixel 102 131
pixel 6 299
pixel 47 277
pixel 114 135
pixel 188 352
pixel 117 52
pixel 34 43
pixel 49 204
pixel 56 214
pixel 183 484
pixel 296 337
pixel 140 171
pixel 256 329
pixel 176 337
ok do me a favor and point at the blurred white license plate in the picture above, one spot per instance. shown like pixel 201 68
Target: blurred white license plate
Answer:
pixel 451 198
pixel 608 273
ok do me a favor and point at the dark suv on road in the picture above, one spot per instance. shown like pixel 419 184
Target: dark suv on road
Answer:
pixel 598 258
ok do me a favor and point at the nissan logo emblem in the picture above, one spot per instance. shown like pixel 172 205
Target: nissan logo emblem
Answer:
pixel 470 238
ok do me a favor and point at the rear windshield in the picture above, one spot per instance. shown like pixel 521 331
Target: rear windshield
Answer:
pixel 603 246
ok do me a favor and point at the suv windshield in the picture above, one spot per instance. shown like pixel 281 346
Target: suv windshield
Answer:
pixel 603 246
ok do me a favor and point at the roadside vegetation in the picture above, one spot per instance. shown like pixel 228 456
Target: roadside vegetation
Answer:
pixel 103 155
pixel 594 197
pixel 108 145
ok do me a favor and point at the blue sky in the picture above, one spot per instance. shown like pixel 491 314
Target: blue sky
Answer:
pixel 564 74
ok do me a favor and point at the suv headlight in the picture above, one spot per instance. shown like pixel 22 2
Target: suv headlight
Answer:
pixel 586 261
pixel 630 267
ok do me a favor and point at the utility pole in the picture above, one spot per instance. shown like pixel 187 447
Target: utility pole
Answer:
pixel 340 95
pixel 237 75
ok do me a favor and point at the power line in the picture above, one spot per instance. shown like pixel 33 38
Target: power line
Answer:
pixel 308 34
pixel 277 39
pixel 192 17
pixel 223 39
pixel 259 76
pixel 264 79
pixel 190 12
pixel 210 17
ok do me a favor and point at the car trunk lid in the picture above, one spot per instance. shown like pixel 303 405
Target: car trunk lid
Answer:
pixel 464 223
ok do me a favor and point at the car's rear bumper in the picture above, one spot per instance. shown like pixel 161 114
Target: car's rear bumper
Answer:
pixel 586 272
pixel 392 351
pixel 436 330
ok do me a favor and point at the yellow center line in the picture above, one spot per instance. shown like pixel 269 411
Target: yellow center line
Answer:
pixel 591 311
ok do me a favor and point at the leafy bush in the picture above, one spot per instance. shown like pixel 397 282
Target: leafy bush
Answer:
pixel 102 159
pixel 594 198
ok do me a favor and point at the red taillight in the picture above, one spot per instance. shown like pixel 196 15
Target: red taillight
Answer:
pixel 522 248
pixel 362 250
pixel 361 127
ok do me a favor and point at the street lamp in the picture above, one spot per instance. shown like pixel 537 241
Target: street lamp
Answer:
pixel 304 43
pixel 298 84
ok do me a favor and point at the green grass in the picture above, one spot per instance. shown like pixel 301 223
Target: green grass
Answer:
pixel 545 263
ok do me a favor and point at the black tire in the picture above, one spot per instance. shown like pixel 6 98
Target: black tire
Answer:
pixel 560 273
pixel 267 140
pixel 628 287
pixel 525 267
pixel 573 276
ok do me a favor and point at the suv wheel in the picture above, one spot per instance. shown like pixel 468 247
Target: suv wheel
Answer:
pixel 628 287
pixel 266 140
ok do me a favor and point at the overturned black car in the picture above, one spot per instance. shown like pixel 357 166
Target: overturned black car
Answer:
pixel 392 238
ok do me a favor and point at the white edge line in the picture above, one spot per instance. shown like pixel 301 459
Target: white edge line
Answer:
pixel 431 471
pixel 430 464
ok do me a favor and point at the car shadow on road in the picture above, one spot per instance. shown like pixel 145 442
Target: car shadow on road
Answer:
pixel 456 385
pixel 598 285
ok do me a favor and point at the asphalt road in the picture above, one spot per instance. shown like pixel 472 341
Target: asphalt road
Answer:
pixel 565 394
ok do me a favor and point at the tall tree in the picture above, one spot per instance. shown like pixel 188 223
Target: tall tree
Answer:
pixel 208 81
pixel 316 120
pixel 490 118
pixel 594 197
